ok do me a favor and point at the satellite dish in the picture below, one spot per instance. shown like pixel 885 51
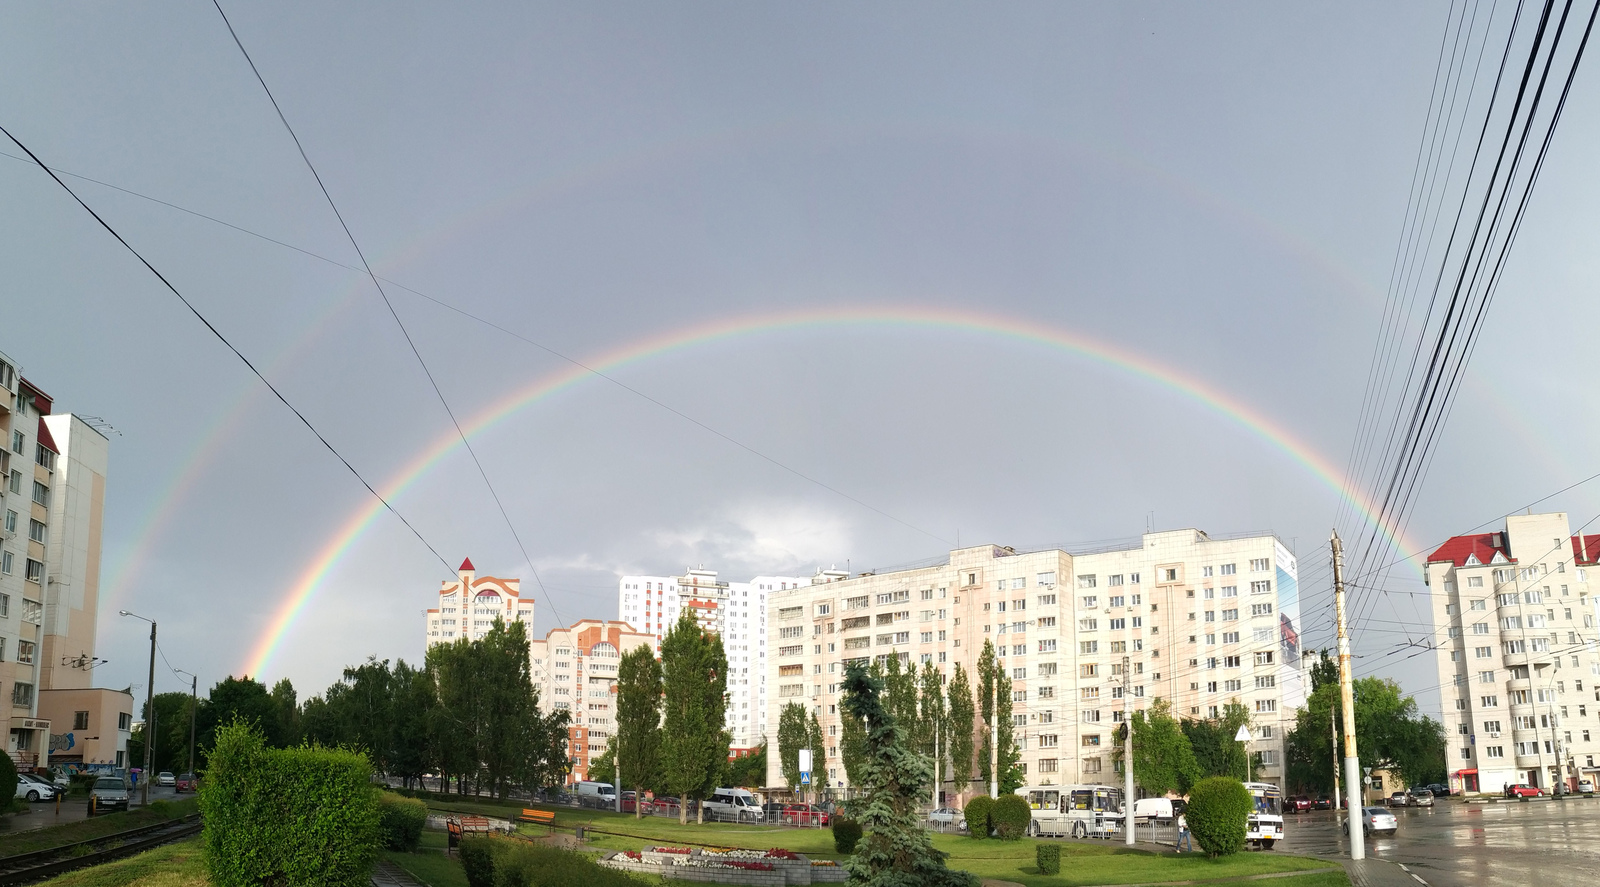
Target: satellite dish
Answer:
pixel 1243 735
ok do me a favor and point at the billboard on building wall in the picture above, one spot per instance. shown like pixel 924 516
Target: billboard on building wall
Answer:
pixel 1290 681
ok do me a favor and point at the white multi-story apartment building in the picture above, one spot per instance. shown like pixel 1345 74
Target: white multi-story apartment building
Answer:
pixel 575 669
pixel 52 494
pixel 736 611
pixel 1515 619
pixel 1200 621
pixel 468 606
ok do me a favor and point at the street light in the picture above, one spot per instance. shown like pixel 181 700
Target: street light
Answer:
pixel 194 689
pixel 149 711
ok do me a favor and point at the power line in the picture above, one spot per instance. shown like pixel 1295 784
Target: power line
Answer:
pixel 230 346
pixel 532 569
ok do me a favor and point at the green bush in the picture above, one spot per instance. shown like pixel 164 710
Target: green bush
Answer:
pixel 510 862
pixel 1218 815
pixel 400 821
pixel 287 817
pixel 8 778
pixel 846 834
pixel 978 816
pixel 1048 856
pixel 1010 817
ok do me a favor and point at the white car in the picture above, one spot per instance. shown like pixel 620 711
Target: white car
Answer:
pixel 1378 821
pixel 34 788
pixel 945 816
pixel 1586 786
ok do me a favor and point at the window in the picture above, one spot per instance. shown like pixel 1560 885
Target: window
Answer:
pixel 17 445
pixel 1483 652
pixel 1230 615
pixel 41 494
pixel 1047 646
pixel 1233 686
pixel 1230 637
pixel 1086 581
pixel 824 609
pixel 36 531
pixel 5 563
pixel 1260 609
pixel 80 720
pixel 1230 591
pixel 1265 681
pixel 16 482
pixel 1089 693
pixel 1488 702
pixel 1119 624
pixel 11 520
pixel 1088 625
pixel 1116 600
pixel 1231 661
pixel 25 652
pixel 35 571
pixel 1264 657
pixel 1480 628
pixel 1047 600
pixel 21 694
pixel 1092 669
pixel 1266 705
pixel 1046 579
pixel 1091 740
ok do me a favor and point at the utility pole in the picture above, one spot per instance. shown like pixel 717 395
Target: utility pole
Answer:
pixel 1127 751
pixel 1333 723
pixel 1352 758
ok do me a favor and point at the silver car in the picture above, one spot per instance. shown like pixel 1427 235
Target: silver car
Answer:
pixel 945 816
pixel 1378 821
pixel 1419 797
pixel 108 793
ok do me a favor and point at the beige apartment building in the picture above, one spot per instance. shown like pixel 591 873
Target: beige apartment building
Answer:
pixel 468 606
pixel 53 498
pixel 1516 654
pixel 1200 621
pixel 575 669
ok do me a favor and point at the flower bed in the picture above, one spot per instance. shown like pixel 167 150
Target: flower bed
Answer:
pixel 777 867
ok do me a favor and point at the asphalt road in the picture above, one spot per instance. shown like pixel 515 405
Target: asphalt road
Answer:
pixel 1455 844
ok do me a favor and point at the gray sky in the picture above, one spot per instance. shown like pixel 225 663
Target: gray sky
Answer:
pixel 1216 189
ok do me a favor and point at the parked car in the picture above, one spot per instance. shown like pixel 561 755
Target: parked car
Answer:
pixel 1419 797
pixel 186 782
pixel 1440 790
pixel 665 807
pixel 599 795
pixel 945 815
pixel 108 793
pixel 1586 786
pixel 1297 804
pixel 166 778
pixel 1163 810
pixel 1522 790
pixel 630 802
pixel 1324 802
pixel 1378 821
pixel 1398 799
pixel 35 788
pixel 803 814
pixel 733 804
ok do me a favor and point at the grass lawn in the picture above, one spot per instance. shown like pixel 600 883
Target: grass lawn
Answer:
pixel 99 826
pixel 1082 863
pixel 429 864
pixel 174 865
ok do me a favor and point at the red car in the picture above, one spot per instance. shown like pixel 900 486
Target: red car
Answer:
pixel 1523 791
pixel 803 814
pixel 187 782
pixel 1298 804
pixel 663 807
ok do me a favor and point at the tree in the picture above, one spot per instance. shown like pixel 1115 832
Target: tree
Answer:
pixel 241 698
pixel 961 730
pixel 1162 759
pixel 1215 750
pixel 171 746
pixel 694 742
pixel 819 752
pixel 412 751
pixel 931 715
pixel 900 696
pixel 897 850
pixel 792 736
pixel 288 720
pixel 603 767
pixel 1390 732
pixel 639 720
pixel 986 692
pixel 1011 777
pixel 750 769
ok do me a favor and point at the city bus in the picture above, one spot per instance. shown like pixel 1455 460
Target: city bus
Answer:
pixel 1076 810
pixel 1266 819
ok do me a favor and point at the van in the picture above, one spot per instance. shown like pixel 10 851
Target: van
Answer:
pixel 597 794
pixel 1162 810
pixel 734 804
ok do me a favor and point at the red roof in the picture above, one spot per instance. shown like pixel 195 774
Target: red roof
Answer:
pixel 466 565
pixel 1459 548
pixel 1586 549
pixel 45 439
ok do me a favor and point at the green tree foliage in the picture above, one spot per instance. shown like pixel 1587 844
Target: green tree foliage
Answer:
pixel 1011 817
pixel 852 748
pixel 962 729
pixel 412 750
pixel 934 720
pixel 400 821
pixel 977 812
pixel 288 710
pixel 171 750
pixel 639 720
pixel 1048 858
pixel 897 850
pixel 694 742
pixel 846 834
pixel 242 699
pixel 1162 759
pixel 1219 814
pixel 8 778
pixel 1390 733
pixel 749 771
pixel 986 712
pixel 819 752
pixel 793 730
pixel 1216 752
pixel 287 817
pixel 603 767
pixel 900 697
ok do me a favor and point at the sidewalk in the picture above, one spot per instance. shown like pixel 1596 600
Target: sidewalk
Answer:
pixel 1371 872
pixel 387 874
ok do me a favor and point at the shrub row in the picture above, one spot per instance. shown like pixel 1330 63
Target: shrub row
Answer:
pixel 508 862
pixel 846 834
pixel 1006 817
pixel 400 821
pixel 287 817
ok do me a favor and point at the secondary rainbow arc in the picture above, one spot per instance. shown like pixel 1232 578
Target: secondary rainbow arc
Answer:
pixel 1237 411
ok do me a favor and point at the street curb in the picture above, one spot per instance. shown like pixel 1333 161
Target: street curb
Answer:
pixel 1233 880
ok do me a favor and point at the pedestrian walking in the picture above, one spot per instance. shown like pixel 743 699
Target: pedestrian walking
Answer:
pixel 1183 834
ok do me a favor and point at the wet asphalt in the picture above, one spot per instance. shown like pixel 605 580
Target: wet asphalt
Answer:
pixel 1455 844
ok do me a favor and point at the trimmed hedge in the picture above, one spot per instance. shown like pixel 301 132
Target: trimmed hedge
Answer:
pixel 490 861
pixel 8 781
pixel 846 834
pixel 978 812
pixel 1048 856
pixel 1219 815
pixel 400 821
pixel 287 817
pixel 1011 817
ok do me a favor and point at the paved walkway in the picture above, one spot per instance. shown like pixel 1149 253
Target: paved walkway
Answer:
pixel 1371 872
pixel 387 874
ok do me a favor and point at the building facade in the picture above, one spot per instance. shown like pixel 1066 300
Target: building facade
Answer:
pixel 1516 654
pixel 52 494
pixel 736 611
pixel 468 606
pixel 575 669
pixel 1199 621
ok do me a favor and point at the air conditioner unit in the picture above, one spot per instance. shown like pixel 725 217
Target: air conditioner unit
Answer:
pixel 1494 735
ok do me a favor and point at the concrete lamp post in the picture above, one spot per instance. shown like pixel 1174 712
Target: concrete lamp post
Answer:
pixel 149 712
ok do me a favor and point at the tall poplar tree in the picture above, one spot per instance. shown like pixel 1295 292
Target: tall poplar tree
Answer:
pixel 792 730
pixel 695 740
pixel 986 690
pixel 639 721
pixel 819 752
pixel 961 730
pixel 934 734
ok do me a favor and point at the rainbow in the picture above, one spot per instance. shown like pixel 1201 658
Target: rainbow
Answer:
pixel 924 318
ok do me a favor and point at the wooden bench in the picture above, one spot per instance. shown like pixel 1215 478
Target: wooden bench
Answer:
pixel 459 827
pixel 538 817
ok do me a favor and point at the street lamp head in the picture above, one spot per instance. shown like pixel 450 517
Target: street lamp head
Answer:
pixel 123 613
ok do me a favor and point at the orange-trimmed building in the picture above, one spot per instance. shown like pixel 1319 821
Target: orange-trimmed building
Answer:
pixel 575 669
